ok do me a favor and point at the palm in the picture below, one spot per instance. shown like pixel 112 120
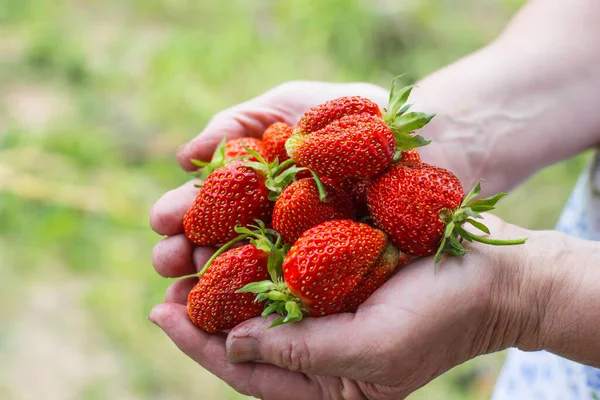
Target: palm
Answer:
pixel 387 349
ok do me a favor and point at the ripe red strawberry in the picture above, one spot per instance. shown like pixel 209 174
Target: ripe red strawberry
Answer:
pixel 356 144
pixel 349 137
pixel 214 304
pixel 422 207
pixel 389 261
pixel 236 148
pixel 303 205
pixel 326 264
pixel 274 138
pixel 237 194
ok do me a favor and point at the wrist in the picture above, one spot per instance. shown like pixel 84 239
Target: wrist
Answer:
pixel 510 313
pixel 526 289
pixel 566 281
pixel 553 303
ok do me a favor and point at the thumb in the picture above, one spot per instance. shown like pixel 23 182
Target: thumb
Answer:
pixel 246 119
pixel 330 345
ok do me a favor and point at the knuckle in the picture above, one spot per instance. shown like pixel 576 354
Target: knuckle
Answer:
pixel 220 116
pixel 296 356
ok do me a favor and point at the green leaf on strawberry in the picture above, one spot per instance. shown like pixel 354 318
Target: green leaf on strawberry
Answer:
pixel 401 123
pixel 468 210
pixel 278 176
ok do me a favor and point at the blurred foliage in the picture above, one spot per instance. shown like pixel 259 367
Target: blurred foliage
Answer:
pixel 95 97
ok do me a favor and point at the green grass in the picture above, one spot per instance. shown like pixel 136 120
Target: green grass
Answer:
pixel 94 100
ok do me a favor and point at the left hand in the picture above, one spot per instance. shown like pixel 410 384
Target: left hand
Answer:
pixel 417 326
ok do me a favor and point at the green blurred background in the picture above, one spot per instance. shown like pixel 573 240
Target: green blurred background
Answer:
pixel 95 96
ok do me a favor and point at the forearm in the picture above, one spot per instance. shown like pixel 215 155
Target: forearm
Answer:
pixel 529 99
pixel 561 279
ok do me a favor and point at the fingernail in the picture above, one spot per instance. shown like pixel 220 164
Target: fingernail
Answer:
pixel 243 350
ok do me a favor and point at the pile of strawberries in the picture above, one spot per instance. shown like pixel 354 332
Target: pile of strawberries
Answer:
pixel 329 208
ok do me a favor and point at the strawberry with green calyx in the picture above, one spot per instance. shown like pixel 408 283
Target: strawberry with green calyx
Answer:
pixel 422 207
pixel 262 238
pixel 349 137
pixel 324 265
pixel 236 194
pixel 309 202
pixel 214 303
pixel 228 151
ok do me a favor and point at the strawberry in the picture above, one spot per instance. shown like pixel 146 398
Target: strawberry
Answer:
pixel 409 156
pixel 350 137
pixel 422 208
pixel 236 194
pixel 306 203
pixel 236 148
pixel 214 304
pixel 324 265
pixel 274 138
pixel 389 260
pixel 357 144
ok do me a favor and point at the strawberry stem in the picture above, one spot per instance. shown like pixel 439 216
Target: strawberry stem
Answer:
pixel 217 161
pixel 320 187
pixel 469 209
pixel 222 250
pixel 277 176
pixel 284 165
pixel 497 242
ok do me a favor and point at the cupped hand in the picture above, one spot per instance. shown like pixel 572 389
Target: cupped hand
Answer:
pixel 383 351
pixel 417 326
